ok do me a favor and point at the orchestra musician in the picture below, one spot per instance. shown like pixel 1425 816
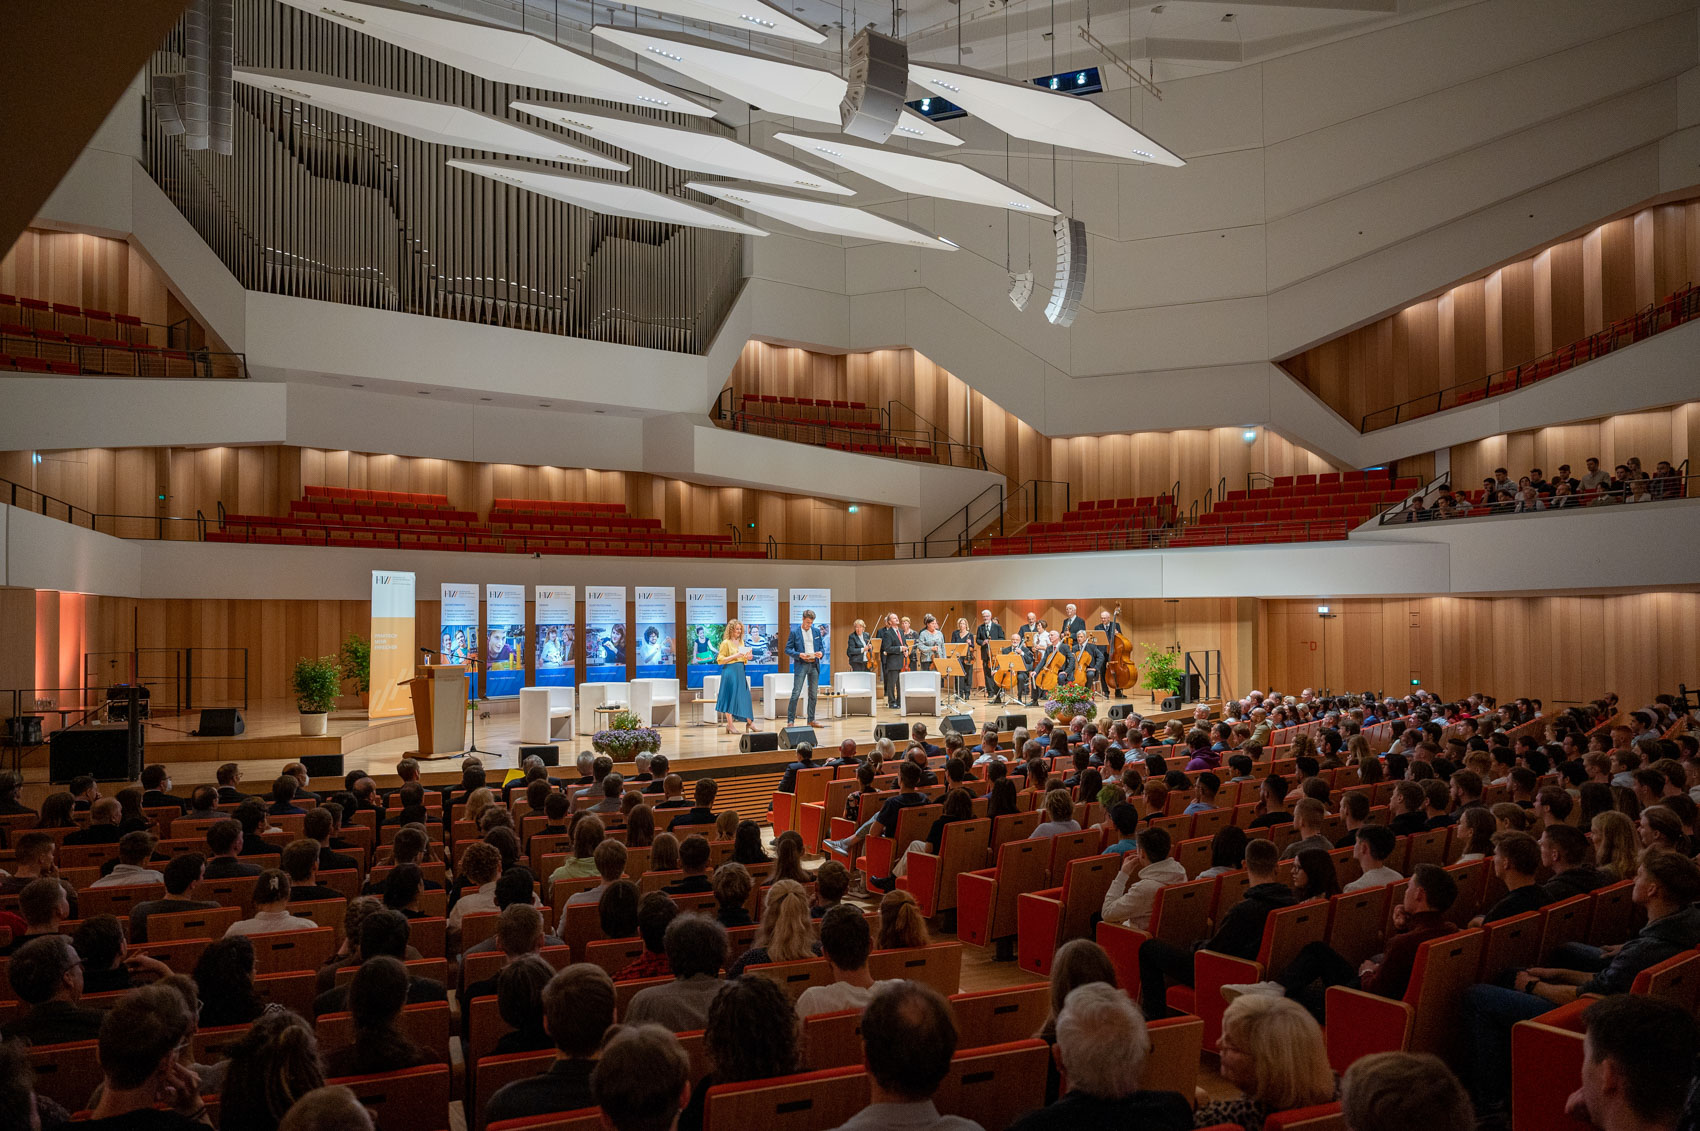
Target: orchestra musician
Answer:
pixel 987 631
pixel 1097 657
pixel 1111 630
pixel 962 635
pixel 891 657
pixel 1072 624
pixel 908 645
pixel 856 647
pixel 1048 646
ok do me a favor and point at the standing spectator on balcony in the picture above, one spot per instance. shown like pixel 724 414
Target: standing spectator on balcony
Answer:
pixel 1594 479
pixel 1502 480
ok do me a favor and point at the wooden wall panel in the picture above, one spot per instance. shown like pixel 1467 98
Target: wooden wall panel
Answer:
pixel 84 270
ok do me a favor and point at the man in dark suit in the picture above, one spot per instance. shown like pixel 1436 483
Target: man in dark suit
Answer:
pixel 805 761
pixel 319 825
pixel 181 875
pixel 48 977
pixel 224 848
pixel 102 827
pixel 299 772
pixel 891 657
pixel 702 813
pixel 156 787
pixel 229 775
pixel 805 647
pixel 856 647
pixel 1111 629
pixel 1072 623
pixel 984 633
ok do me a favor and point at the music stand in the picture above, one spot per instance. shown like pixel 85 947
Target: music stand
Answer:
pixel 1007 658
pixel 949 666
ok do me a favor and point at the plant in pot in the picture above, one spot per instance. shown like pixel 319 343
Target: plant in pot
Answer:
pixel 625 738
pixel 357 665
pixel 1162 670
pixel 317 683
pixel 1071 700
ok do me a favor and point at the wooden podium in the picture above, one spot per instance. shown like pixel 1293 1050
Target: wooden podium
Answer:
pixel 439 710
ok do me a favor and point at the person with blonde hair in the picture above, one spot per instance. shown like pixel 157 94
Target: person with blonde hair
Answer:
pixel 477 802
pixel 1404 1091
pixel 1615 850
pixel 733 702
pixel 787 929
pixel 1059 816
pixel 726 824
pixel 664 853
pixel 1272 1051
pixel 901 923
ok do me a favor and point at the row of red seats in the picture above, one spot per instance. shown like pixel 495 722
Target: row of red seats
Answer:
pixel 362 495
pixel 39 314
pixel 335 510
pixel 54 351
pixel 383 524
pixel 665 546
pixel 552 506
pixel 1258 533
pixel 800 402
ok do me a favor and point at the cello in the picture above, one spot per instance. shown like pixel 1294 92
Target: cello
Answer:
pixel 1120 671
pixel 1083 666
pixel 1045 678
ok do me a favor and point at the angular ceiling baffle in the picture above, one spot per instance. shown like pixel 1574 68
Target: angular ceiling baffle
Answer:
pixel 921 176
pixel 607 197
pixel 822 216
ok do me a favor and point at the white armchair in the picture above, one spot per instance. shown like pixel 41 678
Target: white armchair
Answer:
pixel 918 688
pixel 656 701
pixel 706 699
pixel 594 695
pixel 855 693
pixel 775 688
pixel 545 715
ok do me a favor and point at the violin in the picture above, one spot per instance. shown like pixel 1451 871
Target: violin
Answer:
pixel 1120 671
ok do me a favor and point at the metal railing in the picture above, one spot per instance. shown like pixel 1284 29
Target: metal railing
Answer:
pixel 153 527
pixel 922 442
pixel 1679 308
pixel 1437 502
pixel 175 685
pixel 133 360
pixel 1182 535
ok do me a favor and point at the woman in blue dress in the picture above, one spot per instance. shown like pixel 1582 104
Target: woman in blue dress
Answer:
pixel 733 702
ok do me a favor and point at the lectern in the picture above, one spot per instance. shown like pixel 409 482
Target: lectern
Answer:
pixel 439 710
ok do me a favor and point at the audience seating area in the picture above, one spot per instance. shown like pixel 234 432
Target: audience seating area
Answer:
pixel 846 426
pixel 1297 508
pixel 1097 524
pixel 57 338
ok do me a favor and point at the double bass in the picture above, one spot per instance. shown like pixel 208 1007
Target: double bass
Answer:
pixel 1120 671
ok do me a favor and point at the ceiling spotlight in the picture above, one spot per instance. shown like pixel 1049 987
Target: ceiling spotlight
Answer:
pixel 1249 435
pixel 852 508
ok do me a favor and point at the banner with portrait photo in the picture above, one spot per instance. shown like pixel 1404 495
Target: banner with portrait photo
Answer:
pixel 557 635
pixel 458 634
pixel 504 640
pixel 759 610
pixel 705 625
pixel 604 634
pixel 820 601
pixel 657 632
pixel 394 655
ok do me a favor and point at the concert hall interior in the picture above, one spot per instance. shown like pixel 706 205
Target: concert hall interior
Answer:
pixel 1187 496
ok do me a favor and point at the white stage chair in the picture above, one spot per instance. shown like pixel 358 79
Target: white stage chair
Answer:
pixel 710 695
pixel 855 694
pixel 545 715
pixel 594 695
pixel 918 687
pixel 656 701
pixel 775 689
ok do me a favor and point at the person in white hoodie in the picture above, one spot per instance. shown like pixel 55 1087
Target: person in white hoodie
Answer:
pixel 1129 900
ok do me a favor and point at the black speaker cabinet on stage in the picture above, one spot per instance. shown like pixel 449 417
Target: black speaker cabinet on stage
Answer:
pixel 102 750
pixel 1171 703
pixel 1121 710
pixel 897 732
pixel 221 722
pixel 551 755
pixel 323 765
pixel 1010 722
pixel 958 724
pixel 792 737
pixel 760 742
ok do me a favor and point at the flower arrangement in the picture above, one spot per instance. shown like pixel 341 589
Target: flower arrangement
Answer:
pixel 626 737
pixel 1070 700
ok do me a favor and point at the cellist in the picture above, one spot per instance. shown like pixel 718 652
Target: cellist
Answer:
pixel 1111 630
pixel 1048 664
pixel 1090 659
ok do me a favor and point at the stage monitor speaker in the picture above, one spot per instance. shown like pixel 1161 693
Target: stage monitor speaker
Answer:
pixel 221 722
pixel 877 80
pixel 1010 722
pixel 760 742
pixel 1070 284
pixel 1171 703
pixel 897 732
pixel 551 755
pixel 791 737
pixel 958 724
pixel 1121 710
pixel 24 730
pixel 102 750
pixel 323 765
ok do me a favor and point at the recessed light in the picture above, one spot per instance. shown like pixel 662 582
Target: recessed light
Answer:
pixel 665 54
pixel 911 130
pixel 757 21
pixel 655 101
pixel 829 152
pixel 1018 204
pixel 948 86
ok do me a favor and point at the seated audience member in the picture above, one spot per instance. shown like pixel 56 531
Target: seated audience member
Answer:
pixel 616 911
pixel 908 1040
pixel 1271 803
pixel 300 862
pixel 578 1008
pixel 696 951
pixel 655 912
pixel 47 975
pixel 1666 886
pixel 224 977
pixel 1476 830
pixel 908 795
pixel 401 890
pixel 672 790
pixel 1059 816
pixel 224 849
pixel 1516 860
pixel 694 854
pixel 516 885
pixel 1124 818
pixel 181 876
pixel 103 824
pixel 320 824
pixel 1404 1091
pixel 1375 843
pixel 274 1064
pixel 610 860
pixel 107 964
pixel 1208 785
pixel 1615 848
pixel 251 815
pixel 135 851
pixel 383 933
pixel 701 813
pixel 519 934
pixel 805 761
pixel 44 906
pixel 283 794
pixel 1631 1082
pixel 1565 853
pixel 331 1108
pixel 1273 1052
pixel 1406 809
pixel 587 834
pixel 480 867
pixel 1077 963
pixel 1130 901
pixel 642 1080
pixel 902 926
pixel 786 933
pixel 145 1083
pixel 1313 875
pixel 34 858
pixel 56 810
pixel 752 1034
pixel 11 784
pixel 832 884
pixel 1240 933
pixel 1227 852
pixel 732 888
pixel 845 942
pixel 376 995
pixel 1309 815
pixel 271 908
pixel 519 1003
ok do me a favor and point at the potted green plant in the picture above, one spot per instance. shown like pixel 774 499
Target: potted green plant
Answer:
pixel 625 738
pixel 317 682
pixel 357 665
pixel 1162 669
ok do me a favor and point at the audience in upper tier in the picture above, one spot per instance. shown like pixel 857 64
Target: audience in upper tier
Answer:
pixel 1517 811
pixel 1626 483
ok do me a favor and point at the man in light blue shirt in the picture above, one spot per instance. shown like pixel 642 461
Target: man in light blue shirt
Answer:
pixel 1126 820
pixel 1207 784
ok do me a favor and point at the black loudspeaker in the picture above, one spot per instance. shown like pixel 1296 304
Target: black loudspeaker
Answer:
pixel 1010 722
pixel 897 732
pixel 1121 710
pixel 102 750
pixel 958 724
pixel 323 765
pixel 221 722
pixel 760 742
pixel 791 737
pixel 551 755
pixel 1171 703
pixel 24 730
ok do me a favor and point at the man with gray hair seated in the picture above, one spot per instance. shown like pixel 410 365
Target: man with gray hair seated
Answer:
pixel 640 770
pixel 1101 1047
pixel 586 769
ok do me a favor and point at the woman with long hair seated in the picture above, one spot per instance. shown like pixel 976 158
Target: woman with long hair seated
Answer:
pixel 1272 1051
pixel 1615 850
pixel 1313 875
pixel 787 931
pixel 901 923
pixel 224 977
pixel 752 1034
pixel 375 998
pixel 746 844
pixel 1075 964
pixel 274 1064
pixel 271 908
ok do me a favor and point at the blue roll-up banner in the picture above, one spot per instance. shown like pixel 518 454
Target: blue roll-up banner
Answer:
pixel 820 601
pixel 557 635
pixel 705 624
pixel 504 640
pixel 605 634
pixel 657 632
pixel 759 610
pixel 459 632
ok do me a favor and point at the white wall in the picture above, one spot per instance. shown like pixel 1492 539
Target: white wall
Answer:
pixel 46 553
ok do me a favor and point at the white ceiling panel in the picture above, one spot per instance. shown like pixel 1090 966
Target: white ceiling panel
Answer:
pixel 681 148
pixel 778 86
pixel 746 15
pixel 436 122
pixel 821 216
pixel 912 173
pixel 1023 110
pixel 502 54
pixel 607 197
